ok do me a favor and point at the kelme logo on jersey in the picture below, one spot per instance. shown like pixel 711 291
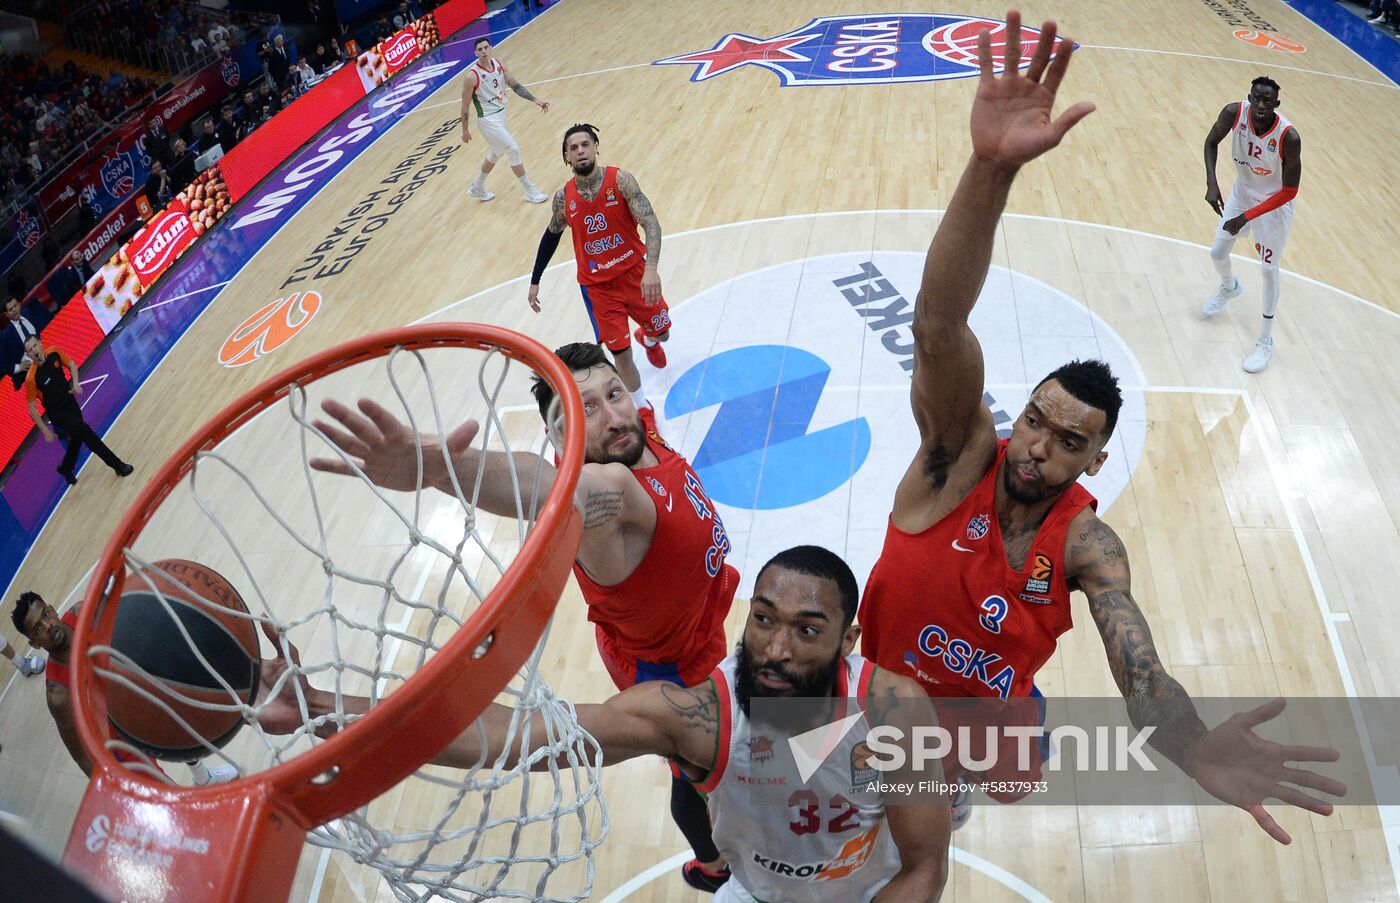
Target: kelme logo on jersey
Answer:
pixel 977 526
pixel 861 49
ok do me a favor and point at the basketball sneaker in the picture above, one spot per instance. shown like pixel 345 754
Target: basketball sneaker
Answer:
pixel 1259 358
pixel 701 878
pixel 481 194
pixel 1216 302
pixel 536 197
pixel 31 665
pixel 655 353
pixel 962 807
pixel 218 774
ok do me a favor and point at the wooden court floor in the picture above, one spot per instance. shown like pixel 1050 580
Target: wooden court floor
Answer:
pixel 1260 512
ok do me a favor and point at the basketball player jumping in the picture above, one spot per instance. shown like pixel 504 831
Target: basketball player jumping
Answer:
pixel 651 564
pixel 1268 155
pixel 483 91
pixel 837 841
pixel 617 273
pixel 987 537
pixel 43 627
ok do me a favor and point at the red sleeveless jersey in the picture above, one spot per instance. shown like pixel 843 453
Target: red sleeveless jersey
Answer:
pixel 669 607
pixel 606 240
pixel 945 607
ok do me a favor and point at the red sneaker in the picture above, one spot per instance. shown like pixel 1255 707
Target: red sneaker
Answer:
pixel 655 353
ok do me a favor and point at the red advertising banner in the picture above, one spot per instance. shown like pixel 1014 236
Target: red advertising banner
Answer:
pixel 164 238
pixel 264 150
pixel 455 15
pixel 75 331
pixel 97 243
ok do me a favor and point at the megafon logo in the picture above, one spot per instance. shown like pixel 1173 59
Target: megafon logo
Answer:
pixel 398 50
pixel 862 49
pixel 97 833
pixel 269 328
pixel 162 241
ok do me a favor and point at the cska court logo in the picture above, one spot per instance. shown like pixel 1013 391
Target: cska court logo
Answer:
pixel 854 50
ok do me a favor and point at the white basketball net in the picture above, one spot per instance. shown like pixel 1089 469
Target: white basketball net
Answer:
pixel 369 584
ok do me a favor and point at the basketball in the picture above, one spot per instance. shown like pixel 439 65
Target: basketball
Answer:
pixel 208 608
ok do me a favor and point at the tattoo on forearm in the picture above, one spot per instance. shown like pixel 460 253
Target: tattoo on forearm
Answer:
pixel 601 506
pixel 642 210
pixel 522 91
pixel 1100 539
pixel 1154 697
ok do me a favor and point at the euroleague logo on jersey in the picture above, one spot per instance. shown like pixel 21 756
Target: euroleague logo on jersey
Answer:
pixel 862 49
pixel 269 328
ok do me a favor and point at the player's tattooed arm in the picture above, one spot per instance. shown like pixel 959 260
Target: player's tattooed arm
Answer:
pixel 558 222
pixel 1097 559
pixel 520 89
pixel 600 507
pixel 642 211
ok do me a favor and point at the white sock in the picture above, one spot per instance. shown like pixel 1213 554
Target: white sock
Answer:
pixel 199 771
pixel 480 182
pixel 648 340
pixel 18 659
pixel 639 398
pixel 1220 256
pixel 1271 295
pixel 525 180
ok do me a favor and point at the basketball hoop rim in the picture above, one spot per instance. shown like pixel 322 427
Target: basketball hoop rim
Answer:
pixel 556 523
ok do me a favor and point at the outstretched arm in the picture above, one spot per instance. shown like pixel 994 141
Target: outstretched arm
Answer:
pixel 645 216
pixel 1223 124
pixel 387 452
pixel 1230 762
pixel 523 91
pixel 1010 126
pixel 61 708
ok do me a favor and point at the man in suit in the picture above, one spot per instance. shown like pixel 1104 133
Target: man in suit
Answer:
pixel 68 281
pixel 20 324
pixel 279 62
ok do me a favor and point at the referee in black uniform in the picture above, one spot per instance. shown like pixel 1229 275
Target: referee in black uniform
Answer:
pixel 47 381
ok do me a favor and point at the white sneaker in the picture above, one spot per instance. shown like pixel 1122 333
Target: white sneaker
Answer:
pixel 1216 302
pixel 481 194
pixel 218 774
pixel 1259 358
pixel 536 197
pixel 1376 19
pixel 31 665
pixel 962 808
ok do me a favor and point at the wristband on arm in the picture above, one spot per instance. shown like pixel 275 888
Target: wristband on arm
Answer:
pixel 549 243
pixel 1284 195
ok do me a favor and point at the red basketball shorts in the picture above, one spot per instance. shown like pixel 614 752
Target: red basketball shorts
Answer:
pixel 610 304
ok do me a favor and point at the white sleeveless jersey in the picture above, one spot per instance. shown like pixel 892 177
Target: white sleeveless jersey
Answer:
pixel 832 843
pixel 1258 158
pixel 490 94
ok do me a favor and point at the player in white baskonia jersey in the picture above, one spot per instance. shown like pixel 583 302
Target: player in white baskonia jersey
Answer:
pixel 1268 157
pixel 483 91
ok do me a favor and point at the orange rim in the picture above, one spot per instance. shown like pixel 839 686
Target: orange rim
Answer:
pixel 450 691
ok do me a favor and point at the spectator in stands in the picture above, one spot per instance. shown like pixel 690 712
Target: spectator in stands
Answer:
pixel 182 170
pixel 268 100
pixel 208 137
pixel 381 30
pixel 159 186
pixel 157 142
pixel 279 62
pixel 321 59
pixel 248 110
pixel 227 130
pixel 303 77
pixel 68 281
pixel 405 14
pixel 218 34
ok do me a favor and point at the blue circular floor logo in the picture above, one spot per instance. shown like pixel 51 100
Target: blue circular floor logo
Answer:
pixel 760 451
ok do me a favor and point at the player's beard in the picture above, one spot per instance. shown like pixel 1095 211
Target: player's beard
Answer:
pixel 602 455
pixel 1028 495
pixel 584 170
pixel 815 684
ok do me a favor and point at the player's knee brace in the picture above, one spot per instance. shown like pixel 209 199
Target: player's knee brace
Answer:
pixel 513 154
pixel 492 157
